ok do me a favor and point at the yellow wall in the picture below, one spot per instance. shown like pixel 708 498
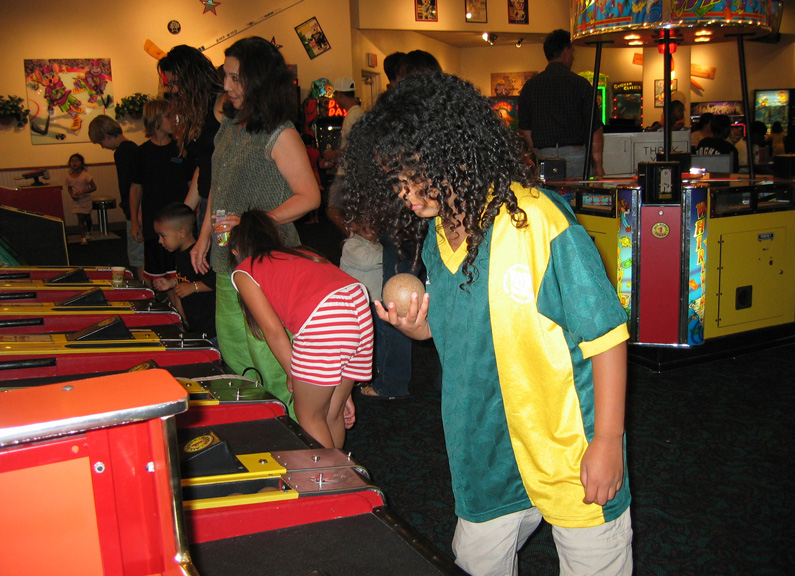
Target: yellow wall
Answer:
pixel 118 30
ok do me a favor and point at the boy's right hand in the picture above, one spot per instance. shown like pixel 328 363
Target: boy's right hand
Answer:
pixel 161 284
pixel 415 323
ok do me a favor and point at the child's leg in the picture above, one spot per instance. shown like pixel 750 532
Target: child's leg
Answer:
pixel 312 405
pixel 604 549
pixel 334 419
pixel 81 224
pixel 490 548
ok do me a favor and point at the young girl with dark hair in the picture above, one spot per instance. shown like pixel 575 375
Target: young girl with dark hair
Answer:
pixel 530 332
pixel 80 185
pixel 326 311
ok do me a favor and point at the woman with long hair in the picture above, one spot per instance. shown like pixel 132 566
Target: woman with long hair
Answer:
pixel 197 97
pixel 260 162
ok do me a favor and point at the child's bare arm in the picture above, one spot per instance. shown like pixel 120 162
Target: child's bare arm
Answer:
pixel 266 318
pixel 602 466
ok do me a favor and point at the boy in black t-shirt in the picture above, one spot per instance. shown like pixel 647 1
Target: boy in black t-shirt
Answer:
pixel 108 133
pixel 174 225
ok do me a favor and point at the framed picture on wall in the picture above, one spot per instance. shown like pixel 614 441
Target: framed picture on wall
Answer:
pixel 425 11
pixel 517 12
pixel 64 94
pixel 313 38
pixel 509 83
pixel 659 94
pixel 475 11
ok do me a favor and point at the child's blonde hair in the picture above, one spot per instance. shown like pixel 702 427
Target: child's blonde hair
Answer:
pixel 154 110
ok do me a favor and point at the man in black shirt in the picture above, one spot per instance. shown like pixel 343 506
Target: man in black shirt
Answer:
pixel 555 110
pixel 720 124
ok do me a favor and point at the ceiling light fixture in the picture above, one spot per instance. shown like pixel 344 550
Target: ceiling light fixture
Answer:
pixel 519 42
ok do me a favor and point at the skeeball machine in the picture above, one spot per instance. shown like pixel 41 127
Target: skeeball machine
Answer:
pixel 694 263
pixel 95 480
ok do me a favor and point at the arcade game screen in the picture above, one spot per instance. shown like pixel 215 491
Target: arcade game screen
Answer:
pixel 771 106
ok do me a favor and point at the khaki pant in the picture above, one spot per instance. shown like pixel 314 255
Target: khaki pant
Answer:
pixel 490 548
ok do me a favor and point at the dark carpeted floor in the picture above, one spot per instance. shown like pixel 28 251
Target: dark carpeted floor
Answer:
pixel 710 456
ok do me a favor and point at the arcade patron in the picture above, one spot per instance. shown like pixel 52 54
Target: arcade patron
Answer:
pixel 555 110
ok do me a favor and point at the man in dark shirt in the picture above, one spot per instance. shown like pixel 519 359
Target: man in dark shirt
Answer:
pixel 555 110
pixel 720 125
pixel 108 133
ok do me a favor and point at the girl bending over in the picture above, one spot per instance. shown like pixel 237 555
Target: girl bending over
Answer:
pixel 327 312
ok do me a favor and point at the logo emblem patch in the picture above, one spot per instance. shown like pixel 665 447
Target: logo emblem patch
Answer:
pixel 660 230
pixel 518 284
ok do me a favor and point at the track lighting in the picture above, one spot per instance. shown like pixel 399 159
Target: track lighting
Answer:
pixel 489 37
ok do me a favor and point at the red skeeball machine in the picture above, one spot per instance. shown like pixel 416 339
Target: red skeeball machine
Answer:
pixel 88 480
pixel 48 272
pixel 41 287
pixel 92 469
pixel 106 346
pixel 82 311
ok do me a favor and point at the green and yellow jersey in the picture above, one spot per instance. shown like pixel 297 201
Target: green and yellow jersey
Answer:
pixel 515 347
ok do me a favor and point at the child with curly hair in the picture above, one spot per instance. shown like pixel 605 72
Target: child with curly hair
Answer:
pixel 530 332
pixel 325 310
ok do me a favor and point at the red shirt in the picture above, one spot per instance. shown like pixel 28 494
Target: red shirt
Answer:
pixel 294 286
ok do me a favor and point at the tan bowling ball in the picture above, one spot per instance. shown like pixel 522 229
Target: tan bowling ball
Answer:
pixel 399 288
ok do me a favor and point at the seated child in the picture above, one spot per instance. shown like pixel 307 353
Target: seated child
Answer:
pixel 175 225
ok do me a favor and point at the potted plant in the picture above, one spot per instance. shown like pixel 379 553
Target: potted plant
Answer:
pixel 132 106
pixel 11 109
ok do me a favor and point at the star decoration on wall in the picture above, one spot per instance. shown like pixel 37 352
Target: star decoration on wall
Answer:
pixel 273 41
pixel 210 6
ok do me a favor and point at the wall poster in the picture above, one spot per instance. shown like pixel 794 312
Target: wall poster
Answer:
pixel 517 12
pixel 313 38
pixel 509 83
pixel 476 11
pixel 659 91
pixel 64 95
pixel 425 11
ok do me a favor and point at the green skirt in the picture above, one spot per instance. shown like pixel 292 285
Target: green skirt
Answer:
pixel 240 350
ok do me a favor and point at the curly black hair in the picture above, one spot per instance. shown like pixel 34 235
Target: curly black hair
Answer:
pixel 437 130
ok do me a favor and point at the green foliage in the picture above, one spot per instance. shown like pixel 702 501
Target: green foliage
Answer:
pixel 12 107
pixel 132 105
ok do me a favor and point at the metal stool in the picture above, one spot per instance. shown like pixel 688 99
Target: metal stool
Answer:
pixel 102 205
